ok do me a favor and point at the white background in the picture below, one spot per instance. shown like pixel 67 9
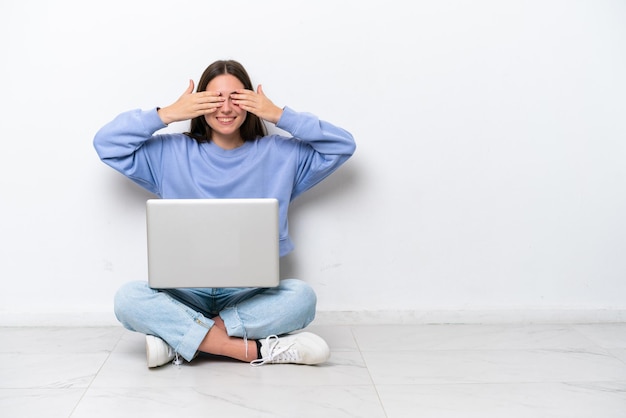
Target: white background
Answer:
pixel 489 177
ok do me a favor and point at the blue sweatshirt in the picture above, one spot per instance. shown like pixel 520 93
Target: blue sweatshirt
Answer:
pixel 174 165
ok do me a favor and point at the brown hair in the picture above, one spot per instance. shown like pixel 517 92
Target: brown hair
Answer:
pixel 252 128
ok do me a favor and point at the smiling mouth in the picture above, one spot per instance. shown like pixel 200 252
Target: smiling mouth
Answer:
pixel 225 120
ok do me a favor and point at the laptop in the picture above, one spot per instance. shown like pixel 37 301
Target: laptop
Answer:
pixel 212 243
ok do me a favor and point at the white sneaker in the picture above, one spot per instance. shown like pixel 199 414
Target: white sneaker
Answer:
pixel 158 352
pixel 300 348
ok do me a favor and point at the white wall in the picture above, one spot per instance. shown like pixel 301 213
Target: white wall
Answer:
pixel 489 180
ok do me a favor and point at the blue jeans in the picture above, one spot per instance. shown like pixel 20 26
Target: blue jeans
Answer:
pixel 182 317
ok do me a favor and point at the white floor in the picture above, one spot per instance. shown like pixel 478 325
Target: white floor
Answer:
pixel 389 371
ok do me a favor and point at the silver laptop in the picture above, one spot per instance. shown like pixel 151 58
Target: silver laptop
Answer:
pixel 212 243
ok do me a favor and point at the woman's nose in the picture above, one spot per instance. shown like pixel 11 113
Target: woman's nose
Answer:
pixel 226 105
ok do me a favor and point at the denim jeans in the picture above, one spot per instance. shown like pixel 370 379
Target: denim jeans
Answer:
pixel 182 317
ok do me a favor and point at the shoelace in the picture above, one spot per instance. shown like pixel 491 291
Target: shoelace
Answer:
pixel 276 354
pixel 177 360
pixel 171 353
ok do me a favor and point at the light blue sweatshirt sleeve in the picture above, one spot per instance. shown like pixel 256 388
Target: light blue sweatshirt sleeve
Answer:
pixel 117 144
pixel 323 147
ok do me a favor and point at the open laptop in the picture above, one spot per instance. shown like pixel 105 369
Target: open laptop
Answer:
pixel 212 242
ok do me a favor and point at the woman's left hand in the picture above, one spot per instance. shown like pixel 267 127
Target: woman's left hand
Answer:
pixel 257 103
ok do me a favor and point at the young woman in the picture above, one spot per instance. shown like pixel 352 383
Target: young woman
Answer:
pixel 226 154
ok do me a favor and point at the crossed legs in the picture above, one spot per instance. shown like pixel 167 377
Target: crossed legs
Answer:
pixel 225 322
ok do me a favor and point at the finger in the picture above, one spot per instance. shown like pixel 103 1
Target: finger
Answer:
pixel 259 90
pixel 190 87
pixel 207 94
pixel 205 98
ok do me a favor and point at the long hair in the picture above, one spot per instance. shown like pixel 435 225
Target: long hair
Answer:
pixel 252 128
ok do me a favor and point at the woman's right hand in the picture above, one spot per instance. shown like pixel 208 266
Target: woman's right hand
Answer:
pixel 191 105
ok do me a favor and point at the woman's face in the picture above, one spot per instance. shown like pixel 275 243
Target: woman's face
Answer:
pixel 227 120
